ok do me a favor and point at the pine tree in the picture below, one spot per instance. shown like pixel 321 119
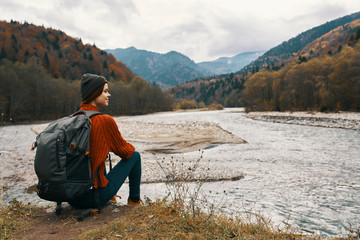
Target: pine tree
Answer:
pixel 91 57
pixel 3 53
pixel 105 66
pixel 46 60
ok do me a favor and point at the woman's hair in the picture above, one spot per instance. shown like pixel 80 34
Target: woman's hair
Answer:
pixel 94 95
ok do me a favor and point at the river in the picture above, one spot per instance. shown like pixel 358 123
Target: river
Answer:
pixel 308 177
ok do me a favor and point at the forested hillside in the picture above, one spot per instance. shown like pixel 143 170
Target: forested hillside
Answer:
pixel 223 89
pixel 331 42
pixel 40 72
pixel 227 89
pixel 327 83
pixel 325 77
pixel 288 49
pixel 60 54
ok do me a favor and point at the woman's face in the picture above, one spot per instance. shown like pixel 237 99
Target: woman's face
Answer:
pixel 103 98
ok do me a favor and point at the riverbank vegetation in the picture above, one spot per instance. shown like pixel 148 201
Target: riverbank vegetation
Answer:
pixel 328 83
pixel 185 104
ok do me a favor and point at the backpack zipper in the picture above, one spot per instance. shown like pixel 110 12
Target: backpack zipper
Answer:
pixel 57 152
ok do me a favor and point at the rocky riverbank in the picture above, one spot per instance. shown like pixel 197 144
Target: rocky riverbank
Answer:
pixel 166 149
pixel 345 120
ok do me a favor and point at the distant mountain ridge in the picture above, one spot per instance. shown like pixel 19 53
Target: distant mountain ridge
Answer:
pixel 231 64
pixel 174 68
pixel 169 69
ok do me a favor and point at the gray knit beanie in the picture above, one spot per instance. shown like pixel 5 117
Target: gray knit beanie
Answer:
pixel 89 83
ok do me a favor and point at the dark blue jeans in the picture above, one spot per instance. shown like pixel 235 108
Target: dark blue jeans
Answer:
pixel 125 168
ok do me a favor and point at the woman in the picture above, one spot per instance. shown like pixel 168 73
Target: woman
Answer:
pixel 105 137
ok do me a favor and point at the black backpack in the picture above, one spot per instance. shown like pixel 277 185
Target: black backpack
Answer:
pixel 62 159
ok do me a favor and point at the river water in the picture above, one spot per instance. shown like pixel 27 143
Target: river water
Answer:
pixel 308 177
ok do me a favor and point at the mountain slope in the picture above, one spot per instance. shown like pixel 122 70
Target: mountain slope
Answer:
pixel 332 41
pixel 61 55
pixel 288 49
pixel 158 68
pixel 177 73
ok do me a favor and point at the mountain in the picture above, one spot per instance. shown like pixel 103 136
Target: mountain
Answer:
pixel 165 70
pixel 323 76
pixel 331 42
pixel 288 50
pixel 61 55
pixel 230 64
pixel 325 40
pixel 174 68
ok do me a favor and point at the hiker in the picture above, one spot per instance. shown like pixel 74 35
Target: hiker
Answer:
pixel 105 137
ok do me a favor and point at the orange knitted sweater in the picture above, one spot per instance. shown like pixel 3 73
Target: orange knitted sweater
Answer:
pixel 105 137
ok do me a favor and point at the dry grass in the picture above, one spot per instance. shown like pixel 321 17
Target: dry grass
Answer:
pixel 15 218
pixel 163 220
pixel 1 185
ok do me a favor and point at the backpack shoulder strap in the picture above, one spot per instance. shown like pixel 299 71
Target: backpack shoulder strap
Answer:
pixel 89 114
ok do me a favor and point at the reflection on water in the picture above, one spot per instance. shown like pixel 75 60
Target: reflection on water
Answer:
pixel 305 176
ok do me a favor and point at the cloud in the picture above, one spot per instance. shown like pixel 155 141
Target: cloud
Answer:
pixel 202 30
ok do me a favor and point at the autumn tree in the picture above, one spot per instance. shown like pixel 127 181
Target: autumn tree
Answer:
pixel 326 83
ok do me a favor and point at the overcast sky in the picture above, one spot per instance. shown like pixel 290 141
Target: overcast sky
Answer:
pixel 201 29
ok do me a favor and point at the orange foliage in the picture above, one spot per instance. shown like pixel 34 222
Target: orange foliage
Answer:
pixel 6 34
pixel 51 37
pixel 112 67
pixel 55 67
pixel 329 41
pixel 65 45
pixel 65 54
pixel 97 66
pixel 38 46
